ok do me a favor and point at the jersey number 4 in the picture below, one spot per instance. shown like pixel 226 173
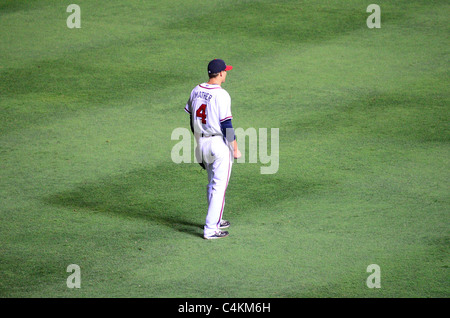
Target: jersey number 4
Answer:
pixel 201 112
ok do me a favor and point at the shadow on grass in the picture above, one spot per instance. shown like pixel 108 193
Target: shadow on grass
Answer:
pixel 172 195
pixel 162 195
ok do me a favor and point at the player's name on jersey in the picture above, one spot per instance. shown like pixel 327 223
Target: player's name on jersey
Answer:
pixel 202 95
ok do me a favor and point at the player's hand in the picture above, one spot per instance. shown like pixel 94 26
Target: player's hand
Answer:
pixel 236 153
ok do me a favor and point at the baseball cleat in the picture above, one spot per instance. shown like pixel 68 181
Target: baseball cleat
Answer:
pixel 218 234
pixel 224 224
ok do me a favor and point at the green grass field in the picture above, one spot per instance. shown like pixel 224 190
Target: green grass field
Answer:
pixel 86 175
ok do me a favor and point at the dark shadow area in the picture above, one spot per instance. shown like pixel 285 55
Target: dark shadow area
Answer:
pixel 174 195
pixel 168 195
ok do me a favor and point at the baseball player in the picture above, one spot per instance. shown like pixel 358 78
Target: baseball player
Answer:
pixel 209 106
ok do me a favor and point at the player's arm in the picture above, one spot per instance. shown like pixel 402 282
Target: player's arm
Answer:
pixel 187 110
pixel 228 132
pixel 226 125
pixel 190 123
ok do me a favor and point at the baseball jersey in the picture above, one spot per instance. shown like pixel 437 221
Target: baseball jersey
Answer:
pixel 209 105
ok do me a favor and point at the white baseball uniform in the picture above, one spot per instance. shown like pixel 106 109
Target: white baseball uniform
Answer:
pixel 210 105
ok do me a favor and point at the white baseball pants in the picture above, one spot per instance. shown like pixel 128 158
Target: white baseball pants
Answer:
pixel 218 162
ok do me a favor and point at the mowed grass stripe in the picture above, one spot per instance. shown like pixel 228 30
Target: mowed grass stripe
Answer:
pixel 341 200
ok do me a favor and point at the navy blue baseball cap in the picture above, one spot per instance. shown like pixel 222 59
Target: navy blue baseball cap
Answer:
pixel 217 66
